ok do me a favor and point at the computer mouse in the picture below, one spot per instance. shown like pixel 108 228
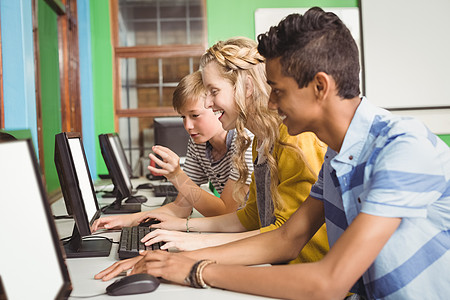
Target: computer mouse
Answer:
pixel 133 284
pixel 149 221
pixel 136 199
pixel 144 186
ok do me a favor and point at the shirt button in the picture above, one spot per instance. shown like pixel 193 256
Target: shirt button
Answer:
pixel 350 157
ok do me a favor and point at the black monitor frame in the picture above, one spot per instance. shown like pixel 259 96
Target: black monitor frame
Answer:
pixel 126 164
pixel 123 188
pixel 66 286
pixel 69 179
pixel 123 156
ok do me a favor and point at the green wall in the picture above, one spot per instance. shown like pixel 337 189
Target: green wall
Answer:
pixel 102 67
pixel 237 17
pixel 225 19
pixel 50 89
pixel 445 138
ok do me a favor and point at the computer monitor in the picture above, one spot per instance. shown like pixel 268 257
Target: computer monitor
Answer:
pixel 78 192
pixel 31 232
pixel 122 154
pixel 170 132
pixel 123 187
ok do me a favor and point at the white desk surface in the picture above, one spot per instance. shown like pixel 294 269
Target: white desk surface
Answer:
pixel 82 270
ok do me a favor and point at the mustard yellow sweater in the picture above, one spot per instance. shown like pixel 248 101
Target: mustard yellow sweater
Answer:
pixel 295 181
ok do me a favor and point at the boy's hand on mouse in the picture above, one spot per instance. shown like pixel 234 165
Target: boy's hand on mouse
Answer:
pixel 117 268
pixel 169 162
pixel 174 239
pixel 113 222
pixel 174 267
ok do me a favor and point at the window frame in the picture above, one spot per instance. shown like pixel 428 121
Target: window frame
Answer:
pixel 163 51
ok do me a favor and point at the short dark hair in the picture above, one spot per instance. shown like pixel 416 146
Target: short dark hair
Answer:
pixel 315 42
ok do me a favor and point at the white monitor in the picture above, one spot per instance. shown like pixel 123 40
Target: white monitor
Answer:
pixel 84 179
pixel 33 266
pixel 79 195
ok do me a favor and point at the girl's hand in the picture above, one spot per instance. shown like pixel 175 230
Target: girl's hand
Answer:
pixel 166 221
pixel 174 239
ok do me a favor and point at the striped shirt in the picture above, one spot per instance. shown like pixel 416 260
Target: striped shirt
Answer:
pixel 393 166
pixel 200 167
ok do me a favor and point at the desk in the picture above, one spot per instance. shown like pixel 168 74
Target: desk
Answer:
pixel 82 270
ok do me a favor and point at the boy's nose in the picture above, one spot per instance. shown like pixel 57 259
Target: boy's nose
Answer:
pixel 187 124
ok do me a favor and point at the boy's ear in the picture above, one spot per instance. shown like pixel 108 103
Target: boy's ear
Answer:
pixel 248 87
pixel 322 84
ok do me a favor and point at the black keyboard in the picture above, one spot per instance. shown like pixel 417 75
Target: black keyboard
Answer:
pixel 165 190
pixel 130 241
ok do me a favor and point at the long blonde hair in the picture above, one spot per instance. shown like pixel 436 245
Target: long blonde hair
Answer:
pixel 238 59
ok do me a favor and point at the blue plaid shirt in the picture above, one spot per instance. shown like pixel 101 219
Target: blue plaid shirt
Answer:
pixel 393 166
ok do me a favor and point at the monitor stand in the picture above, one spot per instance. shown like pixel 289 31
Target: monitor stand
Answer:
pixel 136 199
pixel 114 193
pixel 118 208
pixel 78 247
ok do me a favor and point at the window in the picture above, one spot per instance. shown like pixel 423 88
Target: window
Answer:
pixel 156 43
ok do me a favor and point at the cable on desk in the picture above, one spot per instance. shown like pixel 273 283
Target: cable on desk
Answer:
pixel 156 205
pixel 85 297
pixel 68 238
pixel 62 217
pixel 104 208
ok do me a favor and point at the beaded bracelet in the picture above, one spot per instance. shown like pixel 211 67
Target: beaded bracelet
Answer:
pixel 187 223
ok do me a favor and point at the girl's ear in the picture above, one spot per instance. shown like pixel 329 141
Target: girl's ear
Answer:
pixel 248 87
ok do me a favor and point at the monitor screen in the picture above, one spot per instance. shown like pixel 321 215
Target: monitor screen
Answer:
pixel 122 154
pixel 119 176
pixel 170 133
pixel 78 192
pixel 20 182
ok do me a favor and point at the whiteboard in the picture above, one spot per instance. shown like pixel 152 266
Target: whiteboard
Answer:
pixel 406 55
pixel 267 17
pixel 407 52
